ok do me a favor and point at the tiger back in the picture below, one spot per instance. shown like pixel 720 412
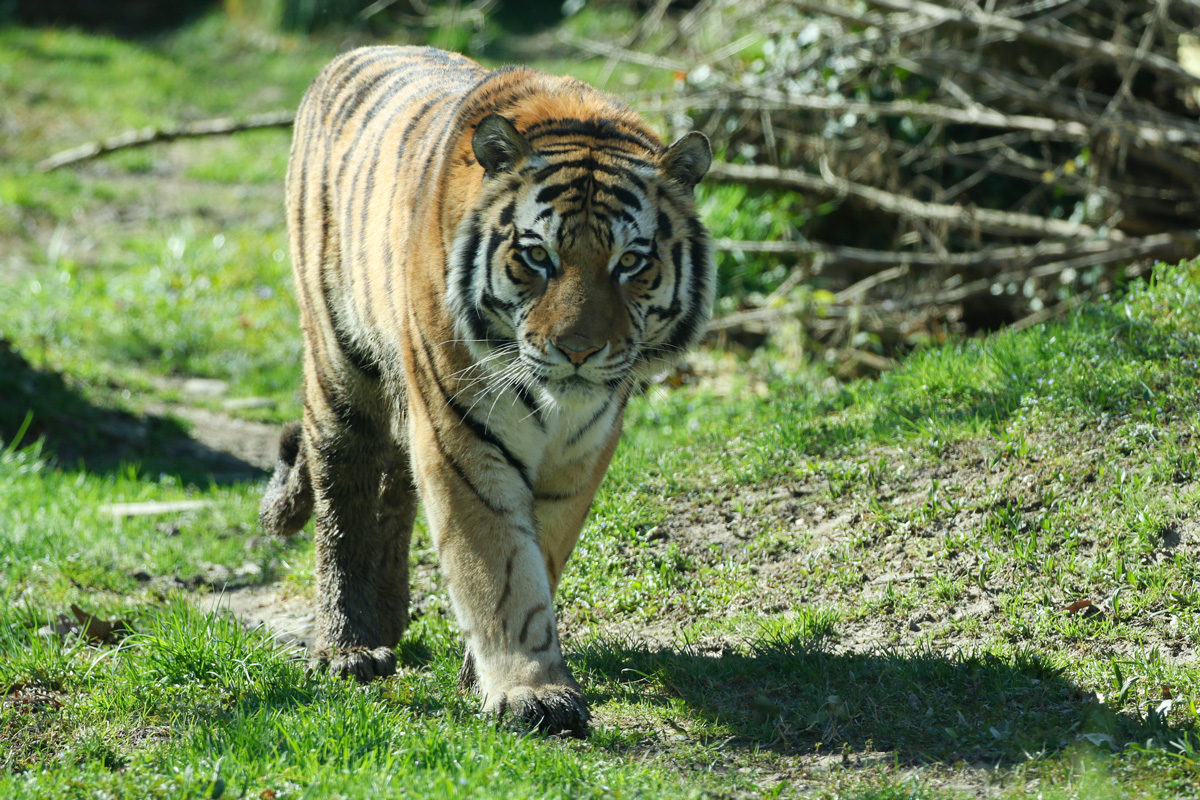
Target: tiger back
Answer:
pixel 488 264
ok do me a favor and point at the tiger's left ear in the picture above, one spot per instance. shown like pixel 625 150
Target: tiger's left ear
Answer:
pixel 688 159
pixel 499 146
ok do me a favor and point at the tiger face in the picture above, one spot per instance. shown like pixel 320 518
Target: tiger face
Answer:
pixel 582 281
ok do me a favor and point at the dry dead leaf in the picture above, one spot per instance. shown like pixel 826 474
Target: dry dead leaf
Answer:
pixel 1080 606
pixel 97 630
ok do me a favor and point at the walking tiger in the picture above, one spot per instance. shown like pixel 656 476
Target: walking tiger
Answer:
pixel 487 264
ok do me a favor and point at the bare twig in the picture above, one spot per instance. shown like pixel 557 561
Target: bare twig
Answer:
pixel 1160 246
pixel 992 258
pixel 144 136
pixel 1151 132
pixel 974 18
pixel 1003 222
pixel 622 53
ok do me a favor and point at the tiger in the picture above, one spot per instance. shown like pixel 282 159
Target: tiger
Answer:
pixel 488 264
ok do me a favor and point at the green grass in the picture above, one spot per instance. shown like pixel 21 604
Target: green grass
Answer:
pixel 736 655
pixel 788 586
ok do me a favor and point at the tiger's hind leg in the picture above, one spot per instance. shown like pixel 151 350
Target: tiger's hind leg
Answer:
pixel 395 517
pixel 365 505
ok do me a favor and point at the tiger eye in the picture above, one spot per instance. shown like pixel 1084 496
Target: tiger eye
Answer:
pixel 628 260
pixel 539 254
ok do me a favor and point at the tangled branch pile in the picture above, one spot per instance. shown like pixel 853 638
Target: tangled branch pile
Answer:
pixel 964 165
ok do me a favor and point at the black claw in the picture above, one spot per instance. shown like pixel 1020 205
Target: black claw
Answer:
pixel 362 664
pixel 562 715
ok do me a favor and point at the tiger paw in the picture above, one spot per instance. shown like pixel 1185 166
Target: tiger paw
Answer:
pixel 548 709
pixel 364 664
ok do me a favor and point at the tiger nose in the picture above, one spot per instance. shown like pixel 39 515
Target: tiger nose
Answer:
pixel 576 355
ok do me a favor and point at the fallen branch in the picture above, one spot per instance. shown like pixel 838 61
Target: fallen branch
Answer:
pixel 153 508
pixel 983 219
pixel 979 115
pixel 974 18
pixel 185 130
pixel 1148 132
pixel 1163 246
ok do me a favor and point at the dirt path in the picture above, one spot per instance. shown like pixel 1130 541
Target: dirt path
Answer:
pixel 255 443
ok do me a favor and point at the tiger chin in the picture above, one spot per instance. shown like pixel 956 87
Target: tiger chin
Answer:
pixel 487 264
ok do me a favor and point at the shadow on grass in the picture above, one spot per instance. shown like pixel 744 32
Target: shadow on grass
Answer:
pixel 796 696
pixel 129 18
pixel 76 432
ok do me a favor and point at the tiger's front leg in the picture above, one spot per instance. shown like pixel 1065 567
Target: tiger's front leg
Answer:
pixel 481 518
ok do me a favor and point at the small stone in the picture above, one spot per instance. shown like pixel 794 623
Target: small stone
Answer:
pixel 205 387
pixel 243 403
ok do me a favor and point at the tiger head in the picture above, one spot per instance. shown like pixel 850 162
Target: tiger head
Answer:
pixel 583 264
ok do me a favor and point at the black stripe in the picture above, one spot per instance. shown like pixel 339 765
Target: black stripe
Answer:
pixel 358 357
pixel 350 102
pixel 466 258
pixel 458 470
pixel 612 152
pixel 533 612
pixel 677 259
pixel 497 306
pixel 550 193
pixel 484 434
pixel 590 166
pixel 575 437
pixel 527 400
pixel 508 568
pixel 495 239
pixel 625 196
pixel 599 129
pixel 480 429
pixel 556 497
pixel 687 329
pixel 511 277
pixel 371 164
pixel 470 93
pixel 665 230
pixel 506 213
pixel 352 149
pixel 544 646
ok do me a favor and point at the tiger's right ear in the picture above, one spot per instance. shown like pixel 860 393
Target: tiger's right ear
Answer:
pixel 688 159
pixel 499 147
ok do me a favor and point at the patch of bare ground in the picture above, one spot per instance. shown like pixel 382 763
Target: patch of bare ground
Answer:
pixel 287 616
pixel 253 443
